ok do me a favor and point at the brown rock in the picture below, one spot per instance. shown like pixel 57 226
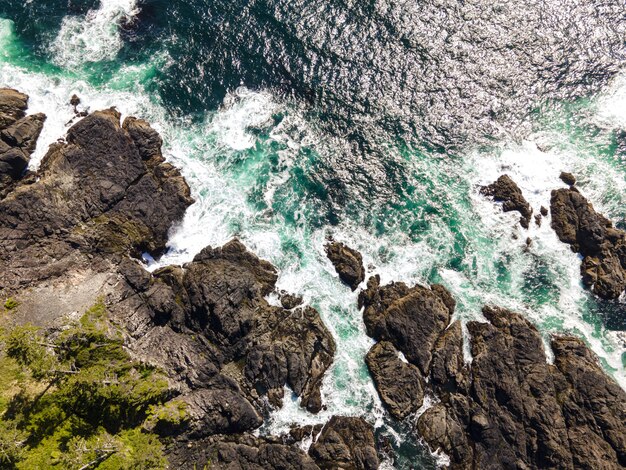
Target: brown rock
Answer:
pixel 506 191
pixel 603 247
pixel 518 411
pixel 348 263
pixel 346 443
pixel 410 318
pixel 568 178
pixel 399 384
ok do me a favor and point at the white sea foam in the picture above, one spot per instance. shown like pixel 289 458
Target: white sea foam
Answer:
pixel 93 37
pixel 610 106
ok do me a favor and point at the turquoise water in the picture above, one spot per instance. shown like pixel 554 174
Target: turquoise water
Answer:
pixel 263 168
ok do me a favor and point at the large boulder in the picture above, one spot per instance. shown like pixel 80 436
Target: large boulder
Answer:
pixel 400 385
pixel 602 246
pixel 410 318
pixel 505 190
pixel 18 137
pixel 346 443
pixel 348 263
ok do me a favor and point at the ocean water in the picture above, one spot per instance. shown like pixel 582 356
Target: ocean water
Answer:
pixel 362 121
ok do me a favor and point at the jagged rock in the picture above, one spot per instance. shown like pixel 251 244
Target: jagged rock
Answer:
pixel 518 411
pixel 290 301
pixel 221 297
pixel 591 234
pixel 399 384
pixel 593 406
pixel 506 191
pixel 346 443
pixel 538 220
pixel 94 196
pixel 220 408
pixel 348 263
pixel 13 106
pixel 107 195
pixel 18 137
pixel 410 318
pixel 299 433
pixel 567 178
pixel 243 452
pixel 543 211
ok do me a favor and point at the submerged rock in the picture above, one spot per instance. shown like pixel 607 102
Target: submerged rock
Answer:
pixel 346 443
pixel 348 263
pixel 506 191
pixel 603 247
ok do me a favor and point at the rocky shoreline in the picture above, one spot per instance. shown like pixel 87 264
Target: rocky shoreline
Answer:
pixel 75 230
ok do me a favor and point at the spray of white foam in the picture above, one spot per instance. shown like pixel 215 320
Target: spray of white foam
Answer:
pixel 610 107
pixel 94 37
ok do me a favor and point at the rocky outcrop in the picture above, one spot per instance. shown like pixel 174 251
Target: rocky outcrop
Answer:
pixel 346 443
pixel 72 234
pixel 508 408
pixel 243 452
pixel 506 191
pixel 521 412
pixel 98 196
pixel 348 263
pixel 400 385
pixel 602 246
pixel 409 318
pixel 221 297
pixel 343 443
pixel 18 137
pixel 567 178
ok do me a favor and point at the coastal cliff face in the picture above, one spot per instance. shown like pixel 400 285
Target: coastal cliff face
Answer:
pixel 73 233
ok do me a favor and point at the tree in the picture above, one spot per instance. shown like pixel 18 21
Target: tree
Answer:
pixel 81 400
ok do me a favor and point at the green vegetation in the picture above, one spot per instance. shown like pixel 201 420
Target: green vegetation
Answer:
pixel 76 400
pixel 11 304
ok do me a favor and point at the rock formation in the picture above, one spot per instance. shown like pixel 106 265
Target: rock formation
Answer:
pixel 521 412
pixel 348 263
pixel 510 408
pixel 602 246
pixel 506 191
pixel 400 384
pixel 18 137
pixel 72 234
pixel 346 443
pixel 409 318
pixel 567 178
